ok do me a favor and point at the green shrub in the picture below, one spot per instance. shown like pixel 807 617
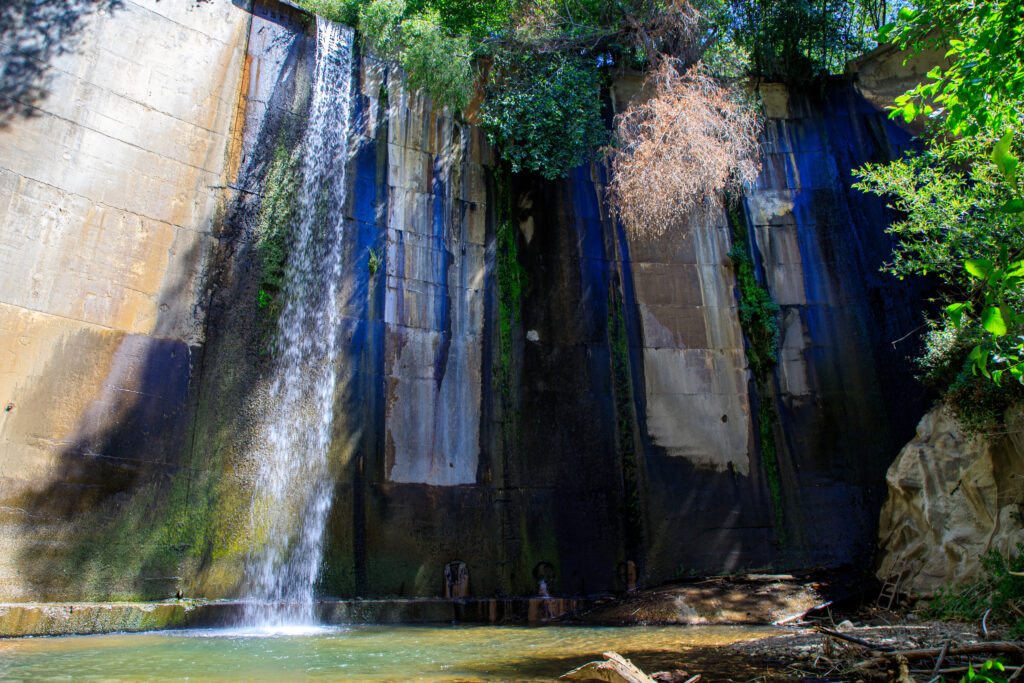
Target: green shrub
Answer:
pixel 342 11
pixel 945 365
pixel 437 63
pixel 381 25
pixel 998 592
pixel 544 115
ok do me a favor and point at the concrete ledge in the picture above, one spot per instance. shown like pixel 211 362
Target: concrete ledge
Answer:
pixel 76 618
pixel 63 618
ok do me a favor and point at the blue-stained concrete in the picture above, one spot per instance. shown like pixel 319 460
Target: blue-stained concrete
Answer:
pixel 420 353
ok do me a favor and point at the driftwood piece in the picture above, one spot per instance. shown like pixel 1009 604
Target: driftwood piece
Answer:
pixel 1005 646
pixel 676 676
pixel 615 669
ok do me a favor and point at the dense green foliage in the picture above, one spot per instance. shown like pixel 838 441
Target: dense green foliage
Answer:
pixel 796 40
pixel 998 591
pixel 543 64
pixel 545 114
pixel 758 313
pixel 962 197
pixel 945 366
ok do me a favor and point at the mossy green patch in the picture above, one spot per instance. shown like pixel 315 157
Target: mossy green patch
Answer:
pixel 758 313
pixel 625 424
pixel 511 279
pixel 277 211
pixel 759 319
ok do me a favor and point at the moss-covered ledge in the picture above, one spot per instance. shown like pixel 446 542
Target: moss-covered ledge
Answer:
pixel 81 618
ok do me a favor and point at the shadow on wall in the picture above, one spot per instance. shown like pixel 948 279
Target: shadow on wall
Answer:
pixel 113 518
pixel 149 496
pixel 32 34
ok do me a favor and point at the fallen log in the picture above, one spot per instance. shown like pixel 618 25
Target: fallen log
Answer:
pixel 999 647
pixel 1005 646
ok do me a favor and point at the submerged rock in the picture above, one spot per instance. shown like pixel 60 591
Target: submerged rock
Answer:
pixel 952 498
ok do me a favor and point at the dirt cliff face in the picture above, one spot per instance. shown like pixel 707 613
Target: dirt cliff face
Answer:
pixel 952 498
pixel 523 388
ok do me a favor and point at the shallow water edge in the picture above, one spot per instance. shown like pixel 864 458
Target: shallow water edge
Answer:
pixel 367 653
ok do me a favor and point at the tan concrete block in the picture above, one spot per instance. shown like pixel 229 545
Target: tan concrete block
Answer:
pixel 473 187
pixel 793 371
pixel 659 284
pixel 409 168
pixel 474 223
pixel 432 421
pixel 697 407
pixel 724 332
pixel 671 247
pixel 673 327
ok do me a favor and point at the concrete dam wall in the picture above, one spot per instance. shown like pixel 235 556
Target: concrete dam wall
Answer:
pixel 520 387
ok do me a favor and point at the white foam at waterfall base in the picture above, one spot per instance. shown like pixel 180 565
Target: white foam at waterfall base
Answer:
pixel 293 485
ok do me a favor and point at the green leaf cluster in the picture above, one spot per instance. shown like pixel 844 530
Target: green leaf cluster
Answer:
pixel 980 91
pixel 986 673
pixel 545 114
pixel 962 197
pixel 999 303
pixel 543 63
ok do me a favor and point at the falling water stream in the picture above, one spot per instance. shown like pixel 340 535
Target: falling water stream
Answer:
pixel 294 484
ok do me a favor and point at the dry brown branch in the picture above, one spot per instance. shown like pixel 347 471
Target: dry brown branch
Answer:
pixel 692 140
pixel 1003 647
pixel 856 641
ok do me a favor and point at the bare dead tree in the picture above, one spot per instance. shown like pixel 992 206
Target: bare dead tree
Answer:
pixel 690 141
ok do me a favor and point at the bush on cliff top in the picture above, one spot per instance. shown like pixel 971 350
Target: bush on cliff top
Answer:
pixel 541 62
pixel 962 197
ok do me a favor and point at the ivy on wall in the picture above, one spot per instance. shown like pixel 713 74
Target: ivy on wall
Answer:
pixel 759 319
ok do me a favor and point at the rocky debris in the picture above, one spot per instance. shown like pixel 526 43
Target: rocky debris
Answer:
pixel 746 599
pixel 921 652
pixel 952 498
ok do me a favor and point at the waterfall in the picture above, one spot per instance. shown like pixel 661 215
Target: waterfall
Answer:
pixel 293 485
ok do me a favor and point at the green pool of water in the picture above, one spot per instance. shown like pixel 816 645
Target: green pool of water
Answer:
pixel 367 653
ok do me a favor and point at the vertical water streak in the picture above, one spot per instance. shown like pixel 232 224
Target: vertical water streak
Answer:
pixel 293 488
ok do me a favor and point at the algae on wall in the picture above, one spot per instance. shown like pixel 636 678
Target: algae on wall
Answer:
pixel 510 280
pixel 104 260
pixel 626 437
pixel 758 315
